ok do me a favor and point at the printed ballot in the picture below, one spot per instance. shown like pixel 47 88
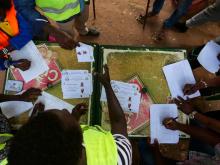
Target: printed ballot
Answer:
pixel 85 53
pixel 159 112
pixel 76 84
pixel 208 57
pixel 128 95
pixel 15 108
pixel 178 75
pixel 38 64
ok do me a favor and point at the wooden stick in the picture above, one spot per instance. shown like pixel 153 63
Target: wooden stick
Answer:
pixel 146 12
pixel 94 11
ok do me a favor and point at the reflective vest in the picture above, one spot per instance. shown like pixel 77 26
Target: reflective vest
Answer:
pixel 8 28
pixel 59 10
pixel 100 146
pixel 3 140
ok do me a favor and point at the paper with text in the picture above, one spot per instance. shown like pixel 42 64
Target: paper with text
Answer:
pixel 85 53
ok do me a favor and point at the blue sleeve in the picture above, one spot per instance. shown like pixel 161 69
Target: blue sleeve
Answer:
pixel 27 9
pixel 24 36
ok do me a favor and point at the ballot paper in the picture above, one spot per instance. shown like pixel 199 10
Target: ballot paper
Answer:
pixel 128 95
pixel 52 102
pixel 159 112
pixel 38 64
pixel 15 108
pixel 178 75
pixel 76 84
pixel 85 53
pixel 208 57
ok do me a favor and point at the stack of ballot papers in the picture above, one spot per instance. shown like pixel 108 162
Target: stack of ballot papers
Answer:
pixel 208 57
pixel 159 112
pixel 85 53
pixel 128 95
pixel 178 75
pixel 76 84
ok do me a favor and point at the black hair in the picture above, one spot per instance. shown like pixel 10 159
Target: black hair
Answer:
pixel 5 4
pixel 45 141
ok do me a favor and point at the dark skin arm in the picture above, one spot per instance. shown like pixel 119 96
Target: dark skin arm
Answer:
pixel 187 108
pixel 79 110
pixel 65 41
pixel 202 134
pixel 192 88
pixel 30 95
pixel 116 114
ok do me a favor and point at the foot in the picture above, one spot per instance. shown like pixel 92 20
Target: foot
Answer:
pixel 92 32
pixel 181 27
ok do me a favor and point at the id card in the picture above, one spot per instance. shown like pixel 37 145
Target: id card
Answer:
pixel 14 85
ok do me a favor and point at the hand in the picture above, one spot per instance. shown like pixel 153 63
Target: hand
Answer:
pixel 218 57
pixel 66 41
pixel 104 78
pixel 191 88
pixel 30 95
pixel 184 105
pixel 79 110
pixel 170 123
pixel 22 64
pixel 39 107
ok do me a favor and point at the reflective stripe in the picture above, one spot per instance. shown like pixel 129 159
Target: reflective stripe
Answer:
pixel 59 11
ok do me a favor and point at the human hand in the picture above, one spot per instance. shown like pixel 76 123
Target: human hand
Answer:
pixel 104 78
pixel 192 88
pixel 184 105
pixel 171 123
pixel 66 41
pixel 39 107
pixel 79 110
pixel 30 95
pixel 22 64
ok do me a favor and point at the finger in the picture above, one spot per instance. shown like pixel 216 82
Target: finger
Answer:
pixel 176 101
pixel 181 99
pixel 106 68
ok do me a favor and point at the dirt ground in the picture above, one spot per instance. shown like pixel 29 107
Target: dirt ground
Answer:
pixel 118 26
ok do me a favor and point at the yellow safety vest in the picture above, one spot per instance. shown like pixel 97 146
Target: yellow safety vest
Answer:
pixel 59 10
pixel 100 146
pixel 3 140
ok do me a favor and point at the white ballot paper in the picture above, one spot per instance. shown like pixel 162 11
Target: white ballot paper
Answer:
pixel 159 112
pixel 38 64
pixel 128 95
pixel 15 108
pixel 208 57
pixel 178 75
pixel 76 84
pixel 85 53
pixel 52 102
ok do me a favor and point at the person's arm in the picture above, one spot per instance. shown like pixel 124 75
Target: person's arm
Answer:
pixel 29 95
pixel 186 107
pixel 192 88
pixel 202 134
pixel 207 121
pixel 116 114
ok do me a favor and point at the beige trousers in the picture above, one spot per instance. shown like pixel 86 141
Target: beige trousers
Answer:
pixel 76 25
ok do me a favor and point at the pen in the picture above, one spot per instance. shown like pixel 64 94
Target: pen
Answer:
pixel 170 121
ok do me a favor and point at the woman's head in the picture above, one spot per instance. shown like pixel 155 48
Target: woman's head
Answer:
pixel 52 137
pixel 5 5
